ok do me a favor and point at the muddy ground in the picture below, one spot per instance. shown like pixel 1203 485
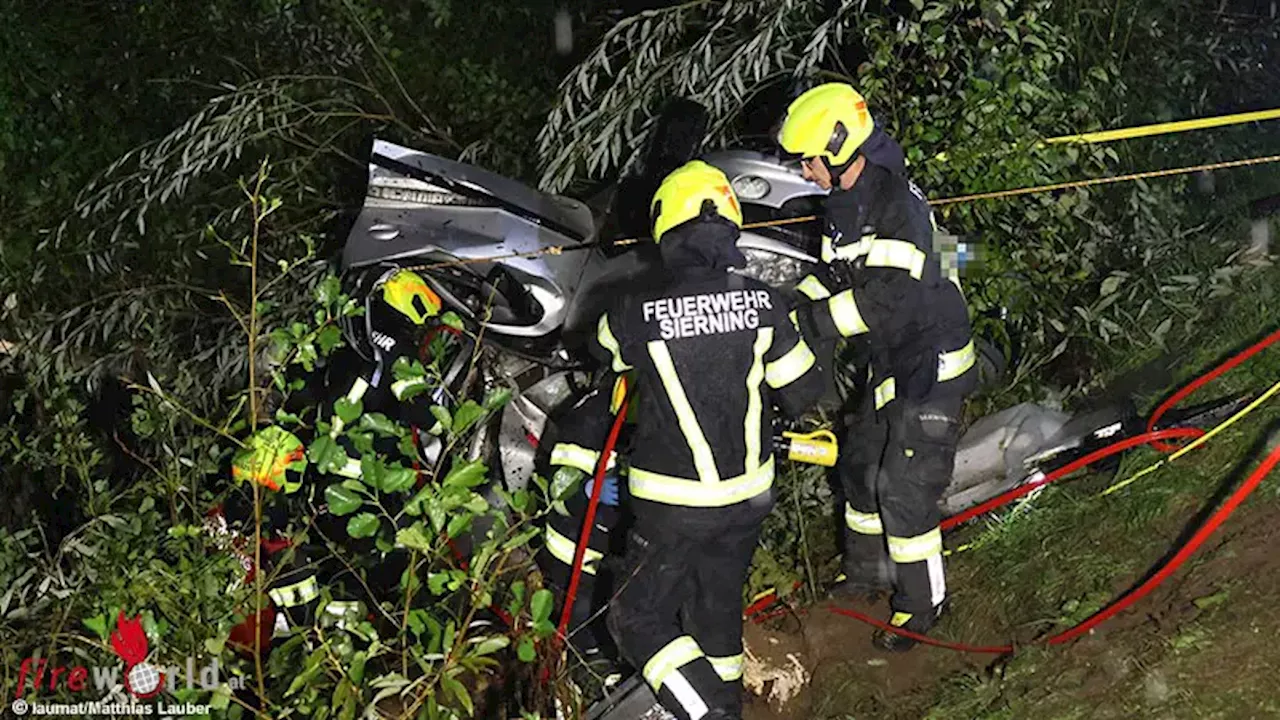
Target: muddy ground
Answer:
pixel 1204 644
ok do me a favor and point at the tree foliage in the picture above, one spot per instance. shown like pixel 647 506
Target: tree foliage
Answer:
pixel 133 322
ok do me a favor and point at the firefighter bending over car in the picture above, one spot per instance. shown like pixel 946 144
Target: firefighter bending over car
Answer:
pixel 711 353
pixel 882 285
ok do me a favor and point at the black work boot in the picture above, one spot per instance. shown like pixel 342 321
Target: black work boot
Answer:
pixel 867 570
pixel 919 623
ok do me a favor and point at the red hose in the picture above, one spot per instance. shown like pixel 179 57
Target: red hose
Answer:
pixel 1204 379
pixel 589 521
pixel 1093 457
pixel 1205 530
pixel 1168 568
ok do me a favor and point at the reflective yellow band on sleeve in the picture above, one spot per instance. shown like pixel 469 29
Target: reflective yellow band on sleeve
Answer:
pixel 605 336
pixel 897 254
pixel 563 549
pixel 862 523
pixel 729 668
pixel 400 387
pixel 694 493
pixel 299 593
pixel 813 288
pixel 577 457
pixel 916 549
pixel 790 367
pixel 845 314
pixel 828 249
pixel 886 391
pixel 673 656
pixel 358 389
pixel 953 364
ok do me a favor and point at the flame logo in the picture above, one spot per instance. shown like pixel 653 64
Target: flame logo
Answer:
pixel 129 641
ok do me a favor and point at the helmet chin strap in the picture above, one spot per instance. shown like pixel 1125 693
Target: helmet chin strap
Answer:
pixel 839 170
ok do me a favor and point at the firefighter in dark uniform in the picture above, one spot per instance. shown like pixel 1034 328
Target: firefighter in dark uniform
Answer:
pixel 397 303
pixel 577 440
pixel 882 286
pixel 711 353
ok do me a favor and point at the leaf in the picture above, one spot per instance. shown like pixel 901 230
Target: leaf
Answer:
pixel 214 645
pixel 356 672
pixel 459 525
pixel 347 410
pixel 341 500
pixel 398 479
pixel 327 455
pixel 497 398
pixel 98 624
pixel 459 692
pixel 372 470
pixel 221 699
pixel 442 414
pixel 465 416
pixel 363 525
pixel 340 695
pixel 1110 285
pixel 491 645
pixel 520 539
pixel 414 538
pixel 540 605
pixel 328 290
pixel 328 338
pixel 380 424
pixel 468 474
pixel 436 582
pixel 517 597
pixel 1209 601
pixel 451 319
pixel 525 650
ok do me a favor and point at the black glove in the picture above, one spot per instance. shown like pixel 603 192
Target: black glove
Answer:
pixel 843 272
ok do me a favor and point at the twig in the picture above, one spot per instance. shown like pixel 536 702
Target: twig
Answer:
pixel 199 420
pixel 255 198
pixel 395 77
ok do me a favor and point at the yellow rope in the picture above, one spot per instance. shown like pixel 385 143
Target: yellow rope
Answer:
pixel 558 249
pixel 1195 444
pixel 1165 128
pixel 1107 180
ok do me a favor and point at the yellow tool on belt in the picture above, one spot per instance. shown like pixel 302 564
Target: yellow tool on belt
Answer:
pixel 816 448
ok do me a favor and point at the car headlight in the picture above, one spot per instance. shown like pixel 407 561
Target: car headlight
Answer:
pixel 769 268
pixel 751 187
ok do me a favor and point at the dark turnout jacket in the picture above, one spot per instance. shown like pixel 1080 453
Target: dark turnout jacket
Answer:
pixel 884 283
pixel 711 353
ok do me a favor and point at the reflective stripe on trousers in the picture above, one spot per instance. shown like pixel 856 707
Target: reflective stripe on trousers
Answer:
pixel 299 593
pixel 729 668
pixel 563 549
pixel 862 523
pixel 926 548
pixel 663 669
